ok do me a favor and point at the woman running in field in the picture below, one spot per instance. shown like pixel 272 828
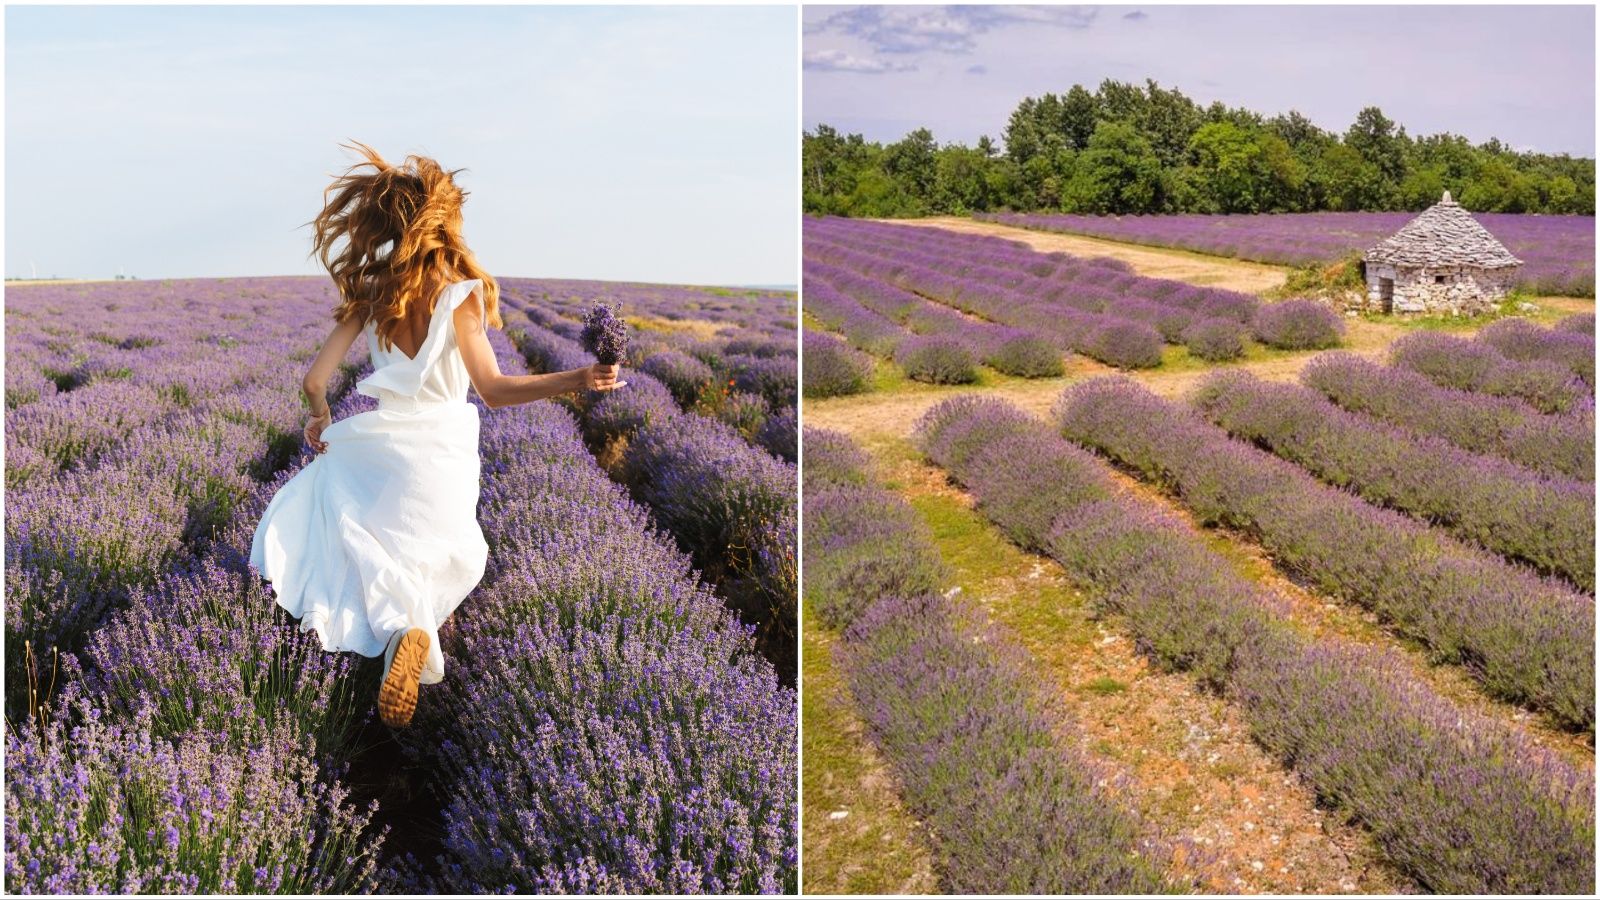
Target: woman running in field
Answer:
pixel 376 541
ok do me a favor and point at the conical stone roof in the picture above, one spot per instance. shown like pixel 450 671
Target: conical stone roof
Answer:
pixel 1444 235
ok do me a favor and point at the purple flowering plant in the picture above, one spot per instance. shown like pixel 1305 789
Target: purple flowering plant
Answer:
pixel 605 335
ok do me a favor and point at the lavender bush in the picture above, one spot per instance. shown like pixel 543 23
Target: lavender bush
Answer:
pixel 1522 340
pixel 1127 345
pixel 1025 355
pixel 1215 340
pixel 1578 323
pixel 1526 639
pixel 1561 446
pixel 780 435
pixel 1548 522
pixel 936 360
pixel 833 369
pixel 1298 325
pixel 686 377
pixel 1475 366
pixel 776 379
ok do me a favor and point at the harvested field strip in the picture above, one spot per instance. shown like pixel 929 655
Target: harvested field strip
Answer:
pixel 1528 639
pixel 1430 779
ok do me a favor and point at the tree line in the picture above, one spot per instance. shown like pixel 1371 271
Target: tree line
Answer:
pixel 1130 149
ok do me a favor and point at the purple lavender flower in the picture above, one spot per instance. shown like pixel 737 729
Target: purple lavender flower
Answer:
pixel 605 335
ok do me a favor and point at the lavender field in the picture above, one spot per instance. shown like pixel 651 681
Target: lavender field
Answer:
pixel 1315 621
pixel 1558 251
pixel 610 723
pixel 940 304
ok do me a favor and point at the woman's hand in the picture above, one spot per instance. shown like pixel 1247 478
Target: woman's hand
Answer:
pixel 601 378
pixel 314 426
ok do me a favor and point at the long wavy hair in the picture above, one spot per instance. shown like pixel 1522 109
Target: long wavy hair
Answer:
pixel 415 210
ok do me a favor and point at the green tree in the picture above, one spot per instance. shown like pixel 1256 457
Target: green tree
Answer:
pixel 912 162
pixel 1118 173
pixel 962 185
pixel 1348 182
pixel 1375 138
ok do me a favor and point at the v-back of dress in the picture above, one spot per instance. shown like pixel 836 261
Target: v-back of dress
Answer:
pixel 379 533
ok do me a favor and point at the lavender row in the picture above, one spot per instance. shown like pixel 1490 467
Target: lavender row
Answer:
pixel 1522 515
pixel 1527 639
pixel 1109 339
pixel 730 505
pixel 1475 366
pixel 1007 350
pixel 751 354
pixel 1453 800
pixel 1561 446
pixel 950 267
pixel 863 328
pixel 196 739
pixel 1522 340
pixel 1212 324
pixel 192 751
pixel 833 368
pixel 751 386
pixel 1558 250
pixel 976 747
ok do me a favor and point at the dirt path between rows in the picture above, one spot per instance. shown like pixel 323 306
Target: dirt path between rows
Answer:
pixel 1180 265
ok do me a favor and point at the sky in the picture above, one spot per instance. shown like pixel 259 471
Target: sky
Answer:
pixel 640 143
pixel 1523 74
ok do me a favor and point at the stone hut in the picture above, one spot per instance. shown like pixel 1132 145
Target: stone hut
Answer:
pixel 1442 261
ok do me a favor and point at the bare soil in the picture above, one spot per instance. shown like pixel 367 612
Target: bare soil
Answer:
pixel 1156 262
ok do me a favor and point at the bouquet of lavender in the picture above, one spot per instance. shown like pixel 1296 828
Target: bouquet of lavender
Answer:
pixel 605 335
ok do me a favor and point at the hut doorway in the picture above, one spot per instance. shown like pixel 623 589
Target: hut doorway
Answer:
pixel 1386 295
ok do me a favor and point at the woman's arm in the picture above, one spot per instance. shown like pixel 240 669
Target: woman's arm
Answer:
pixel 499 389
pixel 327 362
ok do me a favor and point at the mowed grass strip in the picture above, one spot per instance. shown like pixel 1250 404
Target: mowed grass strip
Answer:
pixel 858 836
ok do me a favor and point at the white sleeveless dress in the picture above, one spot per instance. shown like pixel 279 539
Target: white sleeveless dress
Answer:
pixel 379 533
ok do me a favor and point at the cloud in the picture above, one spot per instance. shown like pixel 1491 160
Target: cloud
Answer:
pixel 945 29
pixel 840 61
pixel 977 70
pixel 1137 15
